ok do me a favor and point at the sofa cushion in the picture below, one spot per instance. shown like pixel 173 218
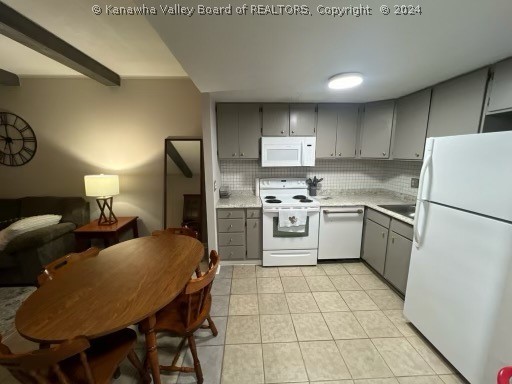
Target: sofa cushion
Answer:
pixel 9 209
pixel 38 237
pixel 26 225
pixel 73 209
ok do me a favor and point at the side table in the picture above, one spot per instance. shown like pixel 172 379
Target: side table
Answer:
pixel 109 233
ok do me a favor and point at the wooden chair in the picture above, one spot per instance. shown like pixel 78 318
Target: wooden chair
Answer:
pixel 185 231
pixel 187 313
pixel 59 266
pixel 75 361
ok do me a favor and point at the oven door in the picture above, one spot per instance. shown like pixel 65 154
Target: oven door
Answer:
pixel 275 238
pixel 278 153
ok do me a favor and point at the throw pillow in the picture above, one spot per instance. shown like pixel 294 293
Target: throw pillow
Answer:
pixel 26 225
pixel 5 223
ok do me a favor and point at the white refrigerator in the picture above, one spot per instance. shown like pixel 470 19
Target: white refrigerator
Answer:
pixel 459 291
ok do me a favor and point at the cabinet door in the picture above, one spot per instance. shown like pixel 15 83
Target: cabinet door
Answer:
pixel 326 130
pixel 398 257
pixel 348 122
pixel 501 89
pixel 376 129
pixel 227 131
pixel 374 248
pixel 302 119
pixel 411 125
pixel 456 105
pixel 254 239
pixel 276 119
pixel 249 130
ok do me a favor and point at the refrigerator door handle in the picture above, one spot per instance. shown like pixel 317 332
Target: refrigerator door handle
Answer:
pixel 419 205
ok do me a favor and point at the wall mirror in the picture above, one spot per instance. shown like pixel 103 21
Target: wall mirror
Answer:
pixel 184 197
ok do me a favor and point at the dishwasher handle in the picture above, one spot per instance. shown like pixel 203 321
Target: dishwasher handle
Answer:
pixel 328 212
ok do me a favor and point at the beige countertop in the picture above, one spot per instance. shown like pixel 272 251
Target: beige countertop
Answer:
pixel 368 198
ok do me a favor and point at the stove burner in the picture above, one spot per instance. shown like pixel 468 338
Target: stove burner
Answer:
pixel 306 200
pixel 299 197
pixel 273 201
pixel 270 197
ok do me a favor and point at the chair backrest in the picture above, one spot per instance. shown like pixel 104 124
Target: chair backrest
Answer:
pixel 42 366
pixel 185 231
pixel 197 291
pixel 59 266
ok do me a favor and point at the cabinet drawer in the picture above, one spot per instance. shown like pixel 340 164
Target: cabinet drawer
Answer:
pixel 401 228
pixel 253 213
pixel 231 239
pixel 378 217
pixel 235 252
pixel 231 225
pixel 230 214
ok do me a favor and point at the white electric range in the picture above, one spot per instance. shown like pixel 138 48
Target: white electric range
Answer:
pixel 280 246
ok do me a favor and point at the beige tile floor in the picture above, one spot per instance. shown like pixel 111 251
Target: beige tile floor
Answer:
pixel 336 323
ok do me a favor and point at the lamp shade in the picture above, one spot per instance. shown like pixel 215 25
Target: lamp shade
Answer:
pixel 101 185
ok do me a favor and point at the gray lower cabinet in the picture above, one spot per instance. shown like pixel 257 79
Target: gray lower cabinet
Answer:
pixel 387 247
pixel 275 119
pixel 376 127
pixel 456 105
pixel 500 96
pixel 336 132
pixel 374 247
pixel 239 234
pixel 302 119
pixel 411 125
pixel 398 257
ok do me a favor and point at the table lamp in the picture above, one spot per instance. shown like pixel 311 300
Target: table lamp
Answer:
pixel 103 187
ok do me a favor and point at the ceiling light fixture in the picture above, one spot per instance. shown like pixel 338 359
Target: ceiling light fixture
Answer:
pixel 345 80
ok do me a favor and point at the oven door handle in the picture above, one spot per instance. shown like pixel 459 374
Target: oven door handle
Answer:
pixel 328 212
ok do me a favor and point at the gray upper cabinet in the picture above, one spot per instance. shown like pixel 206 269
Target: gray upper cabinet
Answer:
pixel 376 129
pixel 276 119
pixel 500 97
pixel 411 125
pixel 336 132
pixel 456 105
pixel 302 119
pixel 227 131
pixel 346 133
pixel 249 130
pixel 238 131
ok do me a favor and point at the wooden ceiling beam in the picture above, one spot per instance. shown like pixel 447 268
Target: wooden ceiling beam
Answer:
pixel 9 78
pixel 23 30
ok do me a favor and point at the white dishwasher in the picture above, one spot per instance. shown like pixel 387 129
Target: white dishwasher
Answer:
pixel 340 232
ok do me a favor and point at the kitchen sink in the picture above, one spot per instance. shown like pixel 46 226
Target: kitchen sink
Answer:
pixel 407 210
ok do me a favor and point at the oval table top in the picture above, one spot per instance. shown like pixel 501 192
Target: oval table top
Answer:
pixel 121 286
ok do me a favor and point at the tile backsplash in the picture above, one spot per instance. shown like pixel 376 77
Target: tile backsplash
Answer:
pixel 393 175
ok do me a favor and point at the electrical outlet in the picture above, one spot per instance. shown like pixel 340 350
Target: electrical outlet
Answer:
pixel 415 182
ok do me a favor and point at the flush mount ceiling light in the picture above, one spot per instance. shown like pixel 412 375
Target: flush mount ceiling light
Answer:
pixel 345 80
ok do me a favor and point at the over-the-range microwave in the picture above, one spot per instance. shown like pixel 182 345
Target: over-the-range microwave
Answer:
pixel 288 151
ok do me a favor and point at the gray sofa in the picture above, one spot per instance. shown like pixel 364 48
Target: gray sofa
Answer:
pixel 24 257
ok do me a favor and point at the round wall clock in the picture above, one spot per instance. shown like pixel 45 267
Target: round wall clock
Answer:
pixel 18 142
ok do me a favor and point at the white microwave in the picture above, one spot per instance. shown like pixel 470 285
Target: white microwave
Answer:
pixel 288 151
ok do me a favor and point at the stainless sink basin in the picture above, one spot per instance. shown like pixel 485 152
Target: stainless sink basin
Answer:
pixel 407 210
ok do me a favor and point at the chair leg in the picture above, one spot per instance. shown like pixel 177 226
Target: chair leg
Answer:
pixel 143 372
pixel 197 364
pixel 212 326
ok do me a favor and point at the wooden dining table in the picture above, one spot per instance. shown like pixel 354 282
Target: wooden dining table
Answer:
pixel 125 284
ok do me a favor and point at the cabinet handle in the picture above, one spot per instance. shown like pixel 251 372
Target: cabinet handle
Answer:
pixel 293 132
pixel 230 225
pixel 230 240
pixel 229 214
pixel 339 154
pixel 282 132
pixel 230 253
pixel 332 154
pixel 383 234
pixel 392 240
pixel 328 212
pixel 417 154
pixel 242 154
pixel 383 153
pixel 234 154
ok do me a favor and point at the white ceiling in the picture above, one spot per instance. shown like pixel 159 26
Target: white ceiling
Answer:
pixel 128 45
pixel 290 58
